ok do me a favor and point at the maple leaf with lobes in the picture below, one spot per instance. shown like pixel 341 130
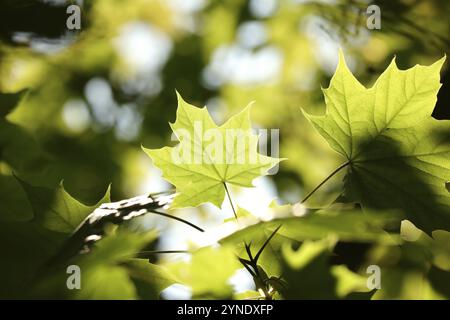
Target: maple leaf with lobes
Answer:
pixel 397 155
pixel 210 156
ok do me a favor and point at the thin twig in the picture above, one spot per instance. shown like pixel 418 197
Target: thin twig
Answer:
pixel 342 166
pixel 265 243
pixel 163 251
pixel 178 219
pixel 229 198
pixel 252 265
pixel 148 254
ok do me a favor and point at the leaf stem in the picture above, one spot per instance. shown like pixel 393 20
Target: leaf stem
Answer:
pixel 229 198
pixel 150 254
pixel 265 243
pixel 178 219
pixel 342 166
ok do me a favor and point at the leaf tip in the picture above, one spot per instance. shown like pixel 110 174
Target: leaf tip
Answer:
pixel 341 60
pixel 439 63
pixel 143 148
pixel 393 62
pixel 180 100
pixel 306 114
pixel 250 104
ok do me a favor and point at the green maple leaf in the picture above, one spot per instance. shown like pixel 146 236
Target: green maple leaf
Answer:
pixel 57 210
pixel 202 170
pixel 397 155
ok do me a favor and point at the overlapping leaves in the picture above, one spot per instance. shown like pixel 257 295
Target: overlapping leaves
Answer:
pixel 397 156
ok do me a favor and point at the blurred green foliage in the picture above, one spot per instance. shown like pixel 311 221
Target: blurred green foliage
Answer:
pixel 77 105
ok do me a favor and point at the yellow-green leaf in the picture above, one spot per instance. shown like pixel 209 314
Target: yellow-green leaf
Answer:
pixel 396 154
pixel 200 170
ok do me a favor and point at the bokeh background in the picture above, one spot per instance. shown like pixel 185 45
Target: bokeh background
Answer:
pixel 97 94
